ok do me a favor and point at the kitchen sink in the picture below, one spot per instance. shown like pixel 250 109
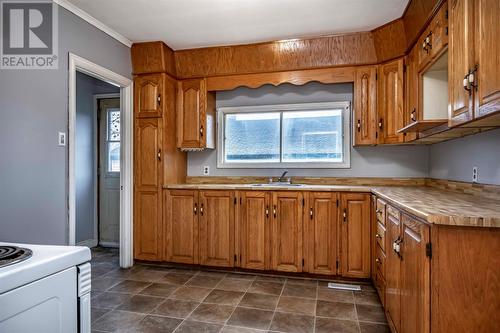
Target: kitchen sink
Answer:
pixel 277 185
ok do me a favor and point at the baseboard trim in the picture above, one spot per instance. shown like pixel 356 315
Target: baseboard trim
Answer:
pixel 88 243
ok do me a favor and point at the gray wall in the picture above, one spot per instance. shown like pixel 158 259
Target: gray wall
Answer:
pixel 86 88
pixel 387 161
pixel 455 159
pixel 33 108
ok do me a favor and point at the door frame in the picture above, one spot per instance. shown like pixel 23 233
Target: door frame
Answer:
pixel 96 98
pixel 79 64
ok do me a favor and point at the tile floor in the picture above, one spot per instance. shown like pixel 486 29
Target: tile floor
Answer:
pixel 170 299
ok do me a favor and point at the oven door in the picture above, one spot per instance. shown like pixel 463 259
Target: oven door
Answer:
pixel 47 305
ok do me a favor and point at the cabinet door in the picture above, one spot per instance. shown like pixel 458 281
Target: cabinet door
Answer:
pixel 412 112
pixel 216 231
pixel 286 234
pixel 320 225
pixel 365 106
pixel 355 229
pixel 147 189
pixel 181 226
pixel 415 277
pixel 148 95
pixel 254 228
pixel 390 102
pixel 487 56
pixel 392 273
pixel 460 60
pixel 191 113
pixel 439 31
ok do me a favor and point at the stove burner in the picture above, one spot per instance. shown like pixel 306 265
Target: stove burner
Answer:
pixel 12 254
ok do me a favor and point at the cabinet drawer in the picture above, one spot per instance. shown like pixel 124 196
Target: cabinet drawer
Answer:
pixel 380 287
pixel 396 214
pixel 380 211
pixel 380 236
pixel 380 261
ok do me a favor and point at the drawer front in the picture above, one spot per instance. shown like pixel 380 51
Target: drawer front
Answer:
pixel 380 211
pixel 380 287
pixel 380 261
pixel 395 213
pixel 380 236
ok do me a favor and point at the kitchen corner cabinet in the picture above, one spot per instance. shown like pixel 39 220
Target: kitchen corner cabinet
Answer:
pixel 216 228
pixel 390 104
pixel 355 235
pixel 195 115
pixel 365 106
pixel 149 95
pixel 320 227
pixel 474 51
pixel 254 229
pixel 147 189
pixel 181 226
pixel 286 231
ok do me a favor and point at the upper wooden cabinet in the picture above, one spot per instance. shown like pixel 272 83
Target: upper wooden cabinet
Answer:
pixel 365 106
pixel 411 110
pixel 320 228
pixel 434 38
pixel 355 235
pixel 286 231
pixel 148 95
pixel 195 115
pixel 254 229
pixel 181 226
pixel 216 231
pixel 390 102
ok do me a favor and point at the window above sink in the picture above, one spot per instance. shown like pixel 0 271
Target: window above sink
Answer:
pixel 308 135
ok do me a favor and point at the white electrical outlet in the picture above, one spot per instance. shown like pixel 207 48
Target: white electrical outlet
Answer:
pixel 61 139
pixel 474 174
pixel 206 170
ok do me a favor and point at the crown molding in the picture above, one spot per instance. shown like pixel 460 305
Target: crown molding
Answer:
pixel 93 21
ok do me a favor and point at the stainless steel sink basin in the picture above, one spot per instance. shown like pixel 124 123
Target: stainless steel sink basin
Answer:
pixel 277 185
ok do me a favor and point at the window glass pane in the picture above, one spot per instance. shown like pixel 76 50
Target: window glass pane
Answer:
pixel 312 136
pixel 114 157
pixel 252 137
pixel 114 125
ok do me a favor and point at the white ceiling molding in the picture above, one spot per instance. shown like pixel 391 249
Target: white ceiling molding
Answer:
pixel 93 21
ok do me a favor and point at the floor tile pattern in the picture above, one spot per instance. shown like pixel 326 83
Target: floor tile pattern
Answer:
pixel 151 299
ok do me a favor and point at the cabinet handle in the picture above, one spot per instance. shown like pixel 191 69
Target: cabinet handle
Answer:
pixel 378 211
pixel 466 82
pixel 413 113
pixel 311 213
pixel 158 99
pixel 344 214
pixel 472 78
pixel 201 210
pixel 195 209
pixel 378 261
pixel 201 131
pixel 158 155
pixel 267 211
pixel 274 211
pixel 378 236
pixel 359 125
pixel 380 123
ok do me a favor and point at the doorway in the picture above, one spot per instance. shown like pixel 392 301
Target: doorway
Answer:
pixel 120 155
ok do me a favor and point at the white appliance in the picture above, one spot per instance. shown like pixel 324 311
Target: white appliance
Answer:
pixel 44 289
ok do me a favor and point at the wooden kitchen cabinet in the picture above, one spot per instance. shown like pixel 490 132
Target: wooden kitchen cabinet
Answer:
pixel 393 272
pixel 149 95
pixel 411 110
pixel 320 228
pixel 216 228
pixel 415 276
pixel 195 115
pixel 434 38
pixel 147 189
pixel 254 229
pixel 286 231
pixel 365 106
pixel 181 226
pixel 390 103
pixel 355 235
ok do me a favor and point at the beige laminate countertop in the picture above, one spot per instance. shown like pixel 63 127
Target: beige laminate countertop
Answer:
pixel 433 205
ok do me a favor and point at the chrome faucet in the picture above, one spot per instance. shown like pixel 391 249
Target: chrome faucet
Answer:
pixel 282 179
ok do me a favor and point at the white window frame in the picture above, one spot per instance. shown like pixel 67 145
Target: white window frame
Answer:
pixel 346 135
pixel 108 141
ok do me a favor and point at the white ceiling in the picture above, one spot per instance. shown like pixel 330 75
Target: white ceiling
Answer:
pixel 184 24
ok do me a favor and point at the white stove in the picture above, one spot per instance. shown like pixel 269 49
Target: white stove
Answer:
pixel 44 288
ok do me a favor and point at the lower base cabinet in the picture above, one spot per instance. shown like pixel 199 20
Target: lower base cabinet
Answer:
pixel 288 231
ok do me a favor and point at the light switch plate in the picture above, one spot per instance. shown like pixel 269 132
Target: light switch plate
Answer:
pixel 61 139
pixel 206 170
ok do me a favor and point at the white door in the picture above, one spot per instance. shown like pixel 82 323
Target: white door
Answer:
pixel 109 171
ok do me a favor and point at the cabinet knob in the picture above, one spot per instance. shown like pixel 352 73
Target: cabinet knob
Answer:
pixel 311 213
pixel 201 210
pixel 359 125
pixel 201 130
pixel 158 99
pixel 274 211
pixel 378 261
pixel 158 155
pixel 378 236
pixel 413 113
pixel 380 122
pixel 344 215
pixel 195 209
pixel 267 212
